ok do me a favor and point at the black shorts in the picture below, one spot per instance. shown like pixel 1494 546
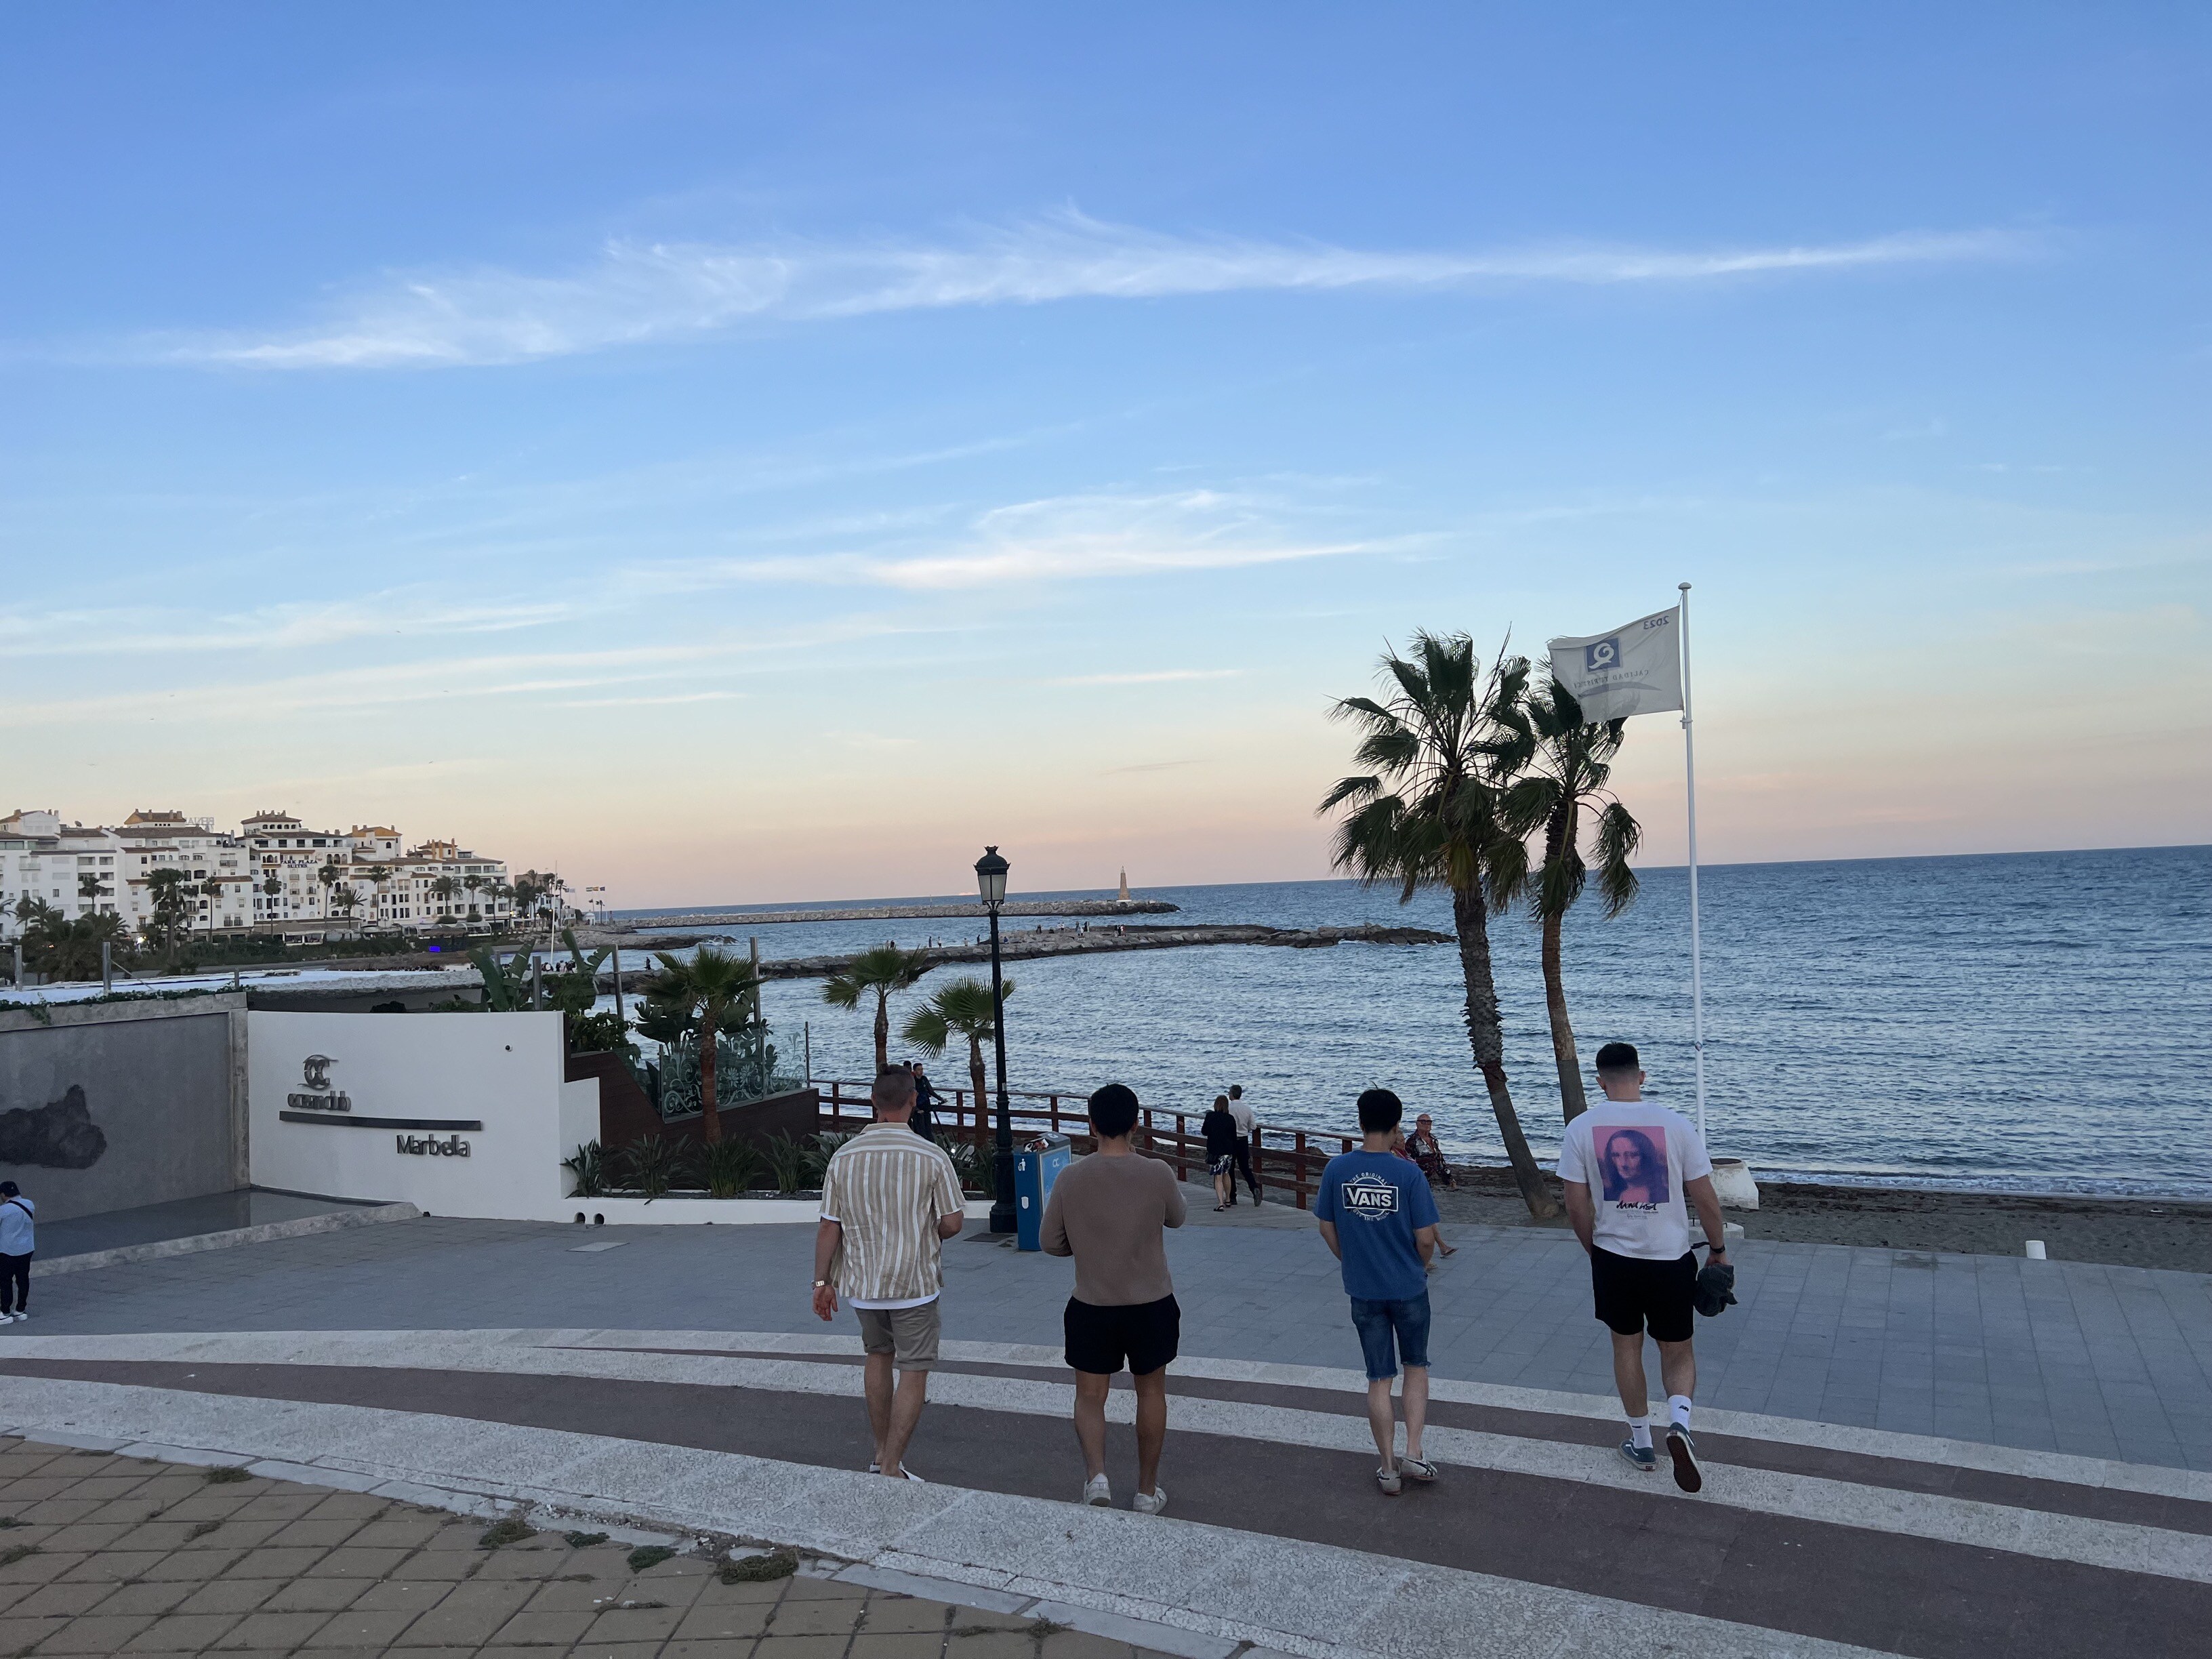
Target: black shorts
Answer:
pixel 1141 1335
pixel 1634 1294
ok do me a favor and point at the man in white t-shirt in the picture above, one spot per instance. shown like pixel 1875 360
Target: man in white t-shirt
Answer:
pixel 1629 1169
pixel 1248 1129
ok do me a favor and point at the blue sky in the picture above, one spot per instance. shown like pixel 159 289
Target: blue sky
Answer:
pixel 738 456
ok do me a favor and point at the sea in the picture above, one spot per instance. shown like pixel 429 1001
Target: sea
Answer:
pixel 2033 1022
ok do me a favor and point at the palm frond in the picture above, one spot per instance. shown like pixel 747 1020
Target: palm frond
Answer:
pixel 1619 835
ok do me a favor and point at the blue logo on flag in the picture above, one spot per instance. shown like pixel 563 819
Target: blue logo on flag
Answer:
pixel 1600 655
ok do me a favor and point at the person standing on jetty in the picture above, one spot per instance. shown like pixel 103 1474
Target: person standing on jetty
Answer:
pixel 890 1200
pixel 1248 1131
pixel 1110 1211
pixel 1379 1219
pixel 1645 1162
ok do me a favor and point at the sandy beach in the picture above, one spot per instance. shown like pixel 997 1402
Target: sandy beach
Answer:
pixel 2135 1232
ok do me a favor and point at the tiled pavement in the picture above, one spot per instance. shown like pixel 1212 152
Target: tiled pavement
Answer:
pixel 108 1554
pixel 2096 1361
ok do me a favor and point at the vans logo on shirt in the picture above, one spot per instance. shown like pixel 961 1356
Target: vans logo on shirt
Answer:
pixel 1368 1196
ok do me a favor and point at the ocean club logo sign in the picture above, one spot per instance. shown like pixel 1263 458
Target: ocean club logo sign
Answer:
pixel 318 1096
pixel 322 1103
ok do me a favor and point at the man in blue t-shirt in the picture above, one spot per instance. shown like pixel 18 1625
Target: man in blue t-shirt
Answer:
pixel 1378 1216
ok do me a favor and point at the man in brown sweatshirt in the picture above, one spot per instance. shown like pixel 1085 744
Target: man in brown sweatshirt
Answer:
pixel 1108 1210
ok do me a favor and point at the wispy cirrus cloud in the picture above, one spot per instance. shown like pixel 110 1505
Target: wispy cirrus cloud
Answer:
pixel 1062 539
pixel 1156 676
pixel 638 293
pixel 267 628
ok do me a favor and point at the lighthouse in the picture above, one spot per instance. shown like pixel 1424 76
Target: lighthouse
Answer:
pixel 1125 886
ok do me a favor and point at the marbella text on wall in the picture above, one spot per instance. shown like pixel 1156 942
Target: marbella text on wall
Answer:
pixel 321 1102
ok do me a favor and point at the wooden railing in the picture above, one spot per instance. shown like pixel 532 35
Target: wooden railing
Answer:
pixel 1282 1159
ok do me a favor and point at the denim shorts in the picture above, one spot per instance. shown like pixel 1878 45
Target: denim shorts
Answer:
pixel 1391 1331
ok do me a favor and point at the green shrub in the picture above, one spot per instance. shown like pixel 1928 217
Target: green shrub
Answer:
pixel 653 1164
pixel 728 1168
pixel 584 1540
pixel 649 1555
pixel 789 1162
pixel 500 1534
pixel 225 1477
pixel 588 1169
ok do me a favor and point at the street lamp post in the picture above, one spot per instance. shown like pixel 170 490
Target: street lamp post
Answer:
pixel 991 882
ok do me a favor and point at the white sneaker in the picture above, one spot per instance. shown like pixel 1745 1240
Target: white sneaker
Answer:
pixel 1097 1493
pixel 1154 1502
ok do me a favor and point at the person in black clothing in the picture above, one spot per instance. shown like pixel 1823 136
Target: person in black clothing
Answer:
pixel 1220 1128
pixel 924 1097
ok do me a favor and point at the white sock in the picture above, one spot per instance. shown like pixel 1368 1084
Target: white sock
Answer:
pixel 1678 1408
pixel 1640 1432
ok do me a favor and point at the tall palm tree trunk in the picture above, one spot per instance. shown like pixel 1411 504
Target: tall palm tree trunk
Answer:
pixel 976 1083
pixel 1485 1034
pixel 710 1112
pixel 882 1030
pixel 1558 839
pixel 1572 1102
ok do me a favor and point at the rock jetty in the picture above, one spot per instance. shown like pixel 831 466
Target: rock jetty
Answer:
pixel 623 926
pixel 1023 946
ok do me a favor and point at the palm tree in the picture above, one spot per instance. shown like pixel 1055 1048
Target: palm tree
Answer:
pixel 444 888
pixel 883 971
pixel 343 899
pixel 213 888
pixel 1440 747
pixel 472 882
pixel 381 875
pixel 1565 788
pixel 171 891
pixel 961 1009
pixel 330 875
pixel 708 987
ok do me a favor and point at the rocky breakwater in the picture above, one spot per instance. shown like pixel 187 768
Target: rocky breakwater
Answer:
pixel 1027 944
pixel 626 927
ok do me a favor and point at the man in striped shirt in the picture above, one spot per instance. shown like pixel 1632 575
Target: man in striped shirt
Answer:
pixel 890 1200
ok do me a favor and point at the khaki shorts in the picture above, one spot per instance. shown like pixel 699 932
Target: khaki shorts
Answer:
pixel 909 1335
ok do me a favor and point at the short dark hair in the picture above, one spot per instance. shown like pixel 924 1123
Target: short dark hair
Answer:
pixel 893 1090
pixel 9 1189
pixel 1236 1091
pixel 1618 1057
pixel 1113 1111
pixel 1380 1110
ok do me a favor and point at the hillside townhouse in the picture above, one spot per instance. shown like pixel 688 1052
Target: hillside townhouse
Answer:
pixel 275 875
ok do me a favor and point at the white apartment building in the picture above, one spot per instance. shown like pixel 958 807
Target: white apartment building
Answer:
pixel 275 875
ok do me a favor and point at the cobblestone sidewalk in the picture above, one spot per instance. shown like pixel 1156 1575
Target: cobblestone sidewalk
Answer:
pixel 105 1554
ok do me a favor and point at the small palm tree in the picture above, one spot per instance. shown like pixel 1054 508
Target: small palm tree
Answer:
pixel 710 985
pixel 443 890
pixel 884 970
pixel 1564 791
pixel 330 875
pixel 961 1009
pixel 1440 748
pixel 472 882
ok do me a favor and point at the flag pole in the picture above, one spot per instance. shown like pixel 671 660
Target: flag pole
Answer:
pixel 1697 965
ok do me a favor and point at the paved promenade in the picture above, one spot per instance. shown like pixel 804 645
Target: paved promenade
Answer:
pixel 1933 1455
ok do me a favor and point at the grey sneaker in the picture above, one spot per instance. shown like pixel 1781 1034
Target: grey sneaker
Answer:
pixel 1097 1493
pixel 1154 1502
pixel 1418 1468
pixel 1388 1483
pixel 1684 1450
pixel 1640 1457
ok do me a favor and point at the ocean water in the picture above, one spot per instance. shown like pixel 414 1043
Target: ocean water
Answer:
pixel 2038 1021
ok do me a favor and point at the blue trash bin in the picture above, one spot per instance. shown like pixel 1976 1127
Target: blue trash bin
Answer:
pixel 1038 1160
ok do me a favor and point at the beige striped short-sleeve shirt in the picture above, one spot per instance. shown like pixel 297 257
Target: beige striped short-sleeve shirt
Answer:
pixel 887 1187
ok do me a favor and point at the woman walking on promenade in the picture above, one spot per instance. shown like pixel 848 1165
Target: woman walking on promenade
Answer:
pixel 1220 1128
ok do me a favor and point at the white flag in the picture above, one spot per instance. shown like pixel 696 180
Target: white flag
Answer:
pixel 1637 669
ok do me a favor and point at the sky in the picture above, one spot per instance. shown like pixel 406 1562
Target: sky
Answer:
pixel 737 454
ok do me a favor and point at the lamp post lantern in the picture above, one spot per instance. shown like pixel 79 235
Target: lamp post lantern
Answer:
pixel 991 883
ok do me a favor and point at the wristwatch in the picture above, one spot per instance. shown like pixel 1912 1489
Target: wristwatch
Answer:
pixel 820 1284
